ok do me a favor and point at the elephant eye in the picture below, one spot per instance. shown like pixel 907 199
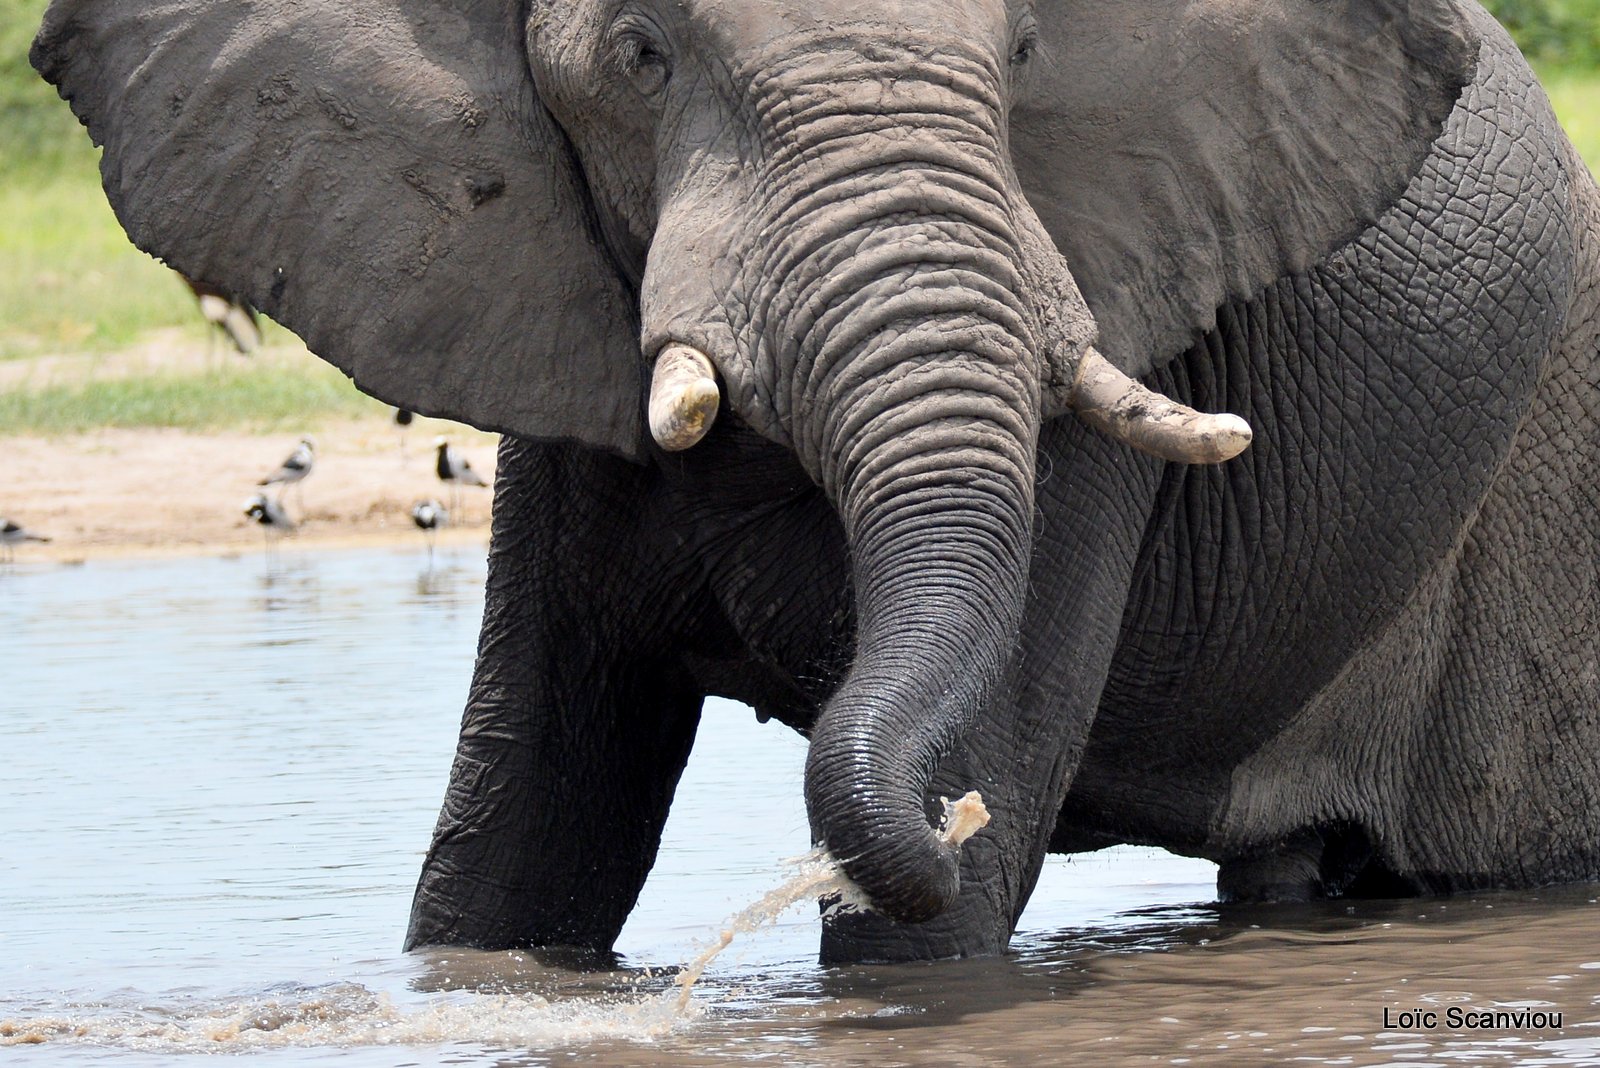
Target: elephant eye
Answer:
pixel 644 62
pixel 1025 42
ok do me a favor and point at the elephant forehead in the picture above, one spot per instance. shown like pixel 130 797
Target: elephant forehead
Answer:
pixel 738 28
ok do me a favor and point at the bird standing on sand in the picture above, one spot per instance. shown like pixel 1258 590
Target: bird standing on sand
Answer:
pixel 12 535
pixel 293 470
pixel 454 469
pixel 429 516
pixel 235 319
pixel 271 517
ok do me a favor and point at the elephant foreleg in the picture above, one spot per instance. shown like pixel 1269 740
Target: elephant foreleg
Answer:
pixel 578 725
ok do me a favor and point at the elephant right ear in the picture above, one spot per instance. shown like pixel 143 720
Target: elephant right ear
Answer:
pixel 1186 153
pixel 380 177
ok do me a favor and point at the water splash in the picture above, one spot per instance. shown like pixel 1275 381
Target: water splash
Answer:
pixel 816 875
pixel 963 817
pixel 348 1014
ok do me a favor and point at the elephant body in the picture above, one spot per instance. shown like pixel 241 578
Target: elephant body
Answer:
pixel 1360 659
pixel 1399 700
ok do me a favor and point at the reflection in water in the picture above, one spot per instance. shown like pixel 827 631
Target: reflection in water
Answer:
pixel 290 585
pixel 219 783
pixel 449 583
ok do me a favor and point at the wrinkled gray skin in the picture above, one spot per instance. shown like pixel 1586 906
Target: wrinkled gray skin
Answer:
pixel 1360 659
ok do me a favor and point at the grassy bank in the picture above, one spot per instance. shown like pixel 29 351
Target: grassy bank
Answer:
pixel 69 279
pixel 255 396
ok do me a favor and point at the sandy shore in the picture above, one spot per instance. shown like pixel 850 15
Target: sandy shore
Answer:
pixel 168 492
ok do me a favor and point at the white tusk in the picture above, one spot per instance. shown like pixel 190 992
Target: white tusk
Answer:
pixel 683 397
pixel 1115 404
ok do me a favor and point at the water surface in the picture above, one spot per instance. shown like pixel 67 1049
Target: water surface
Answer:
pixel 217 779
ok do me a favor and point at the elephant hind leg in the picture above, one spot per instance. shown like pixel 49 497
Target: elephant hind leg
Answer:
pixel 1335 860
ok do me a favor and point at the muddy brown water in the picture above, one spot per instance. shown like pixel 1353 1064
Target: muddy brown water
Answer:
pixel 216 781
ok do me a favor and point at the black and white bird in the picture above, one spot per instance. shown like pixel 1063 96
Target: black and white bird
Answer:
pixel 270 516
pixel 268 513
pixel 454 470
pixel 294 469
pixel 12 535
pixel 232 317
pixel 430 516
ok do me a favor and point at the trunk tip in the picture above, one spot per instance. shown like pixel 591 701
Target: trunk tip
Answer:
pixel 904 868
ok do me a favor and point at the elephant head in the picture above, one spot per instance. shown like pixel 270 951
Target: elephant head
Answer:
pixel 889 236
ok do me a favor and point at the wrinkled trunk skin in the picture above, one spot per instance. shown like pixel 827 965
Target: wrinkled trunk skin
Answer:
pixel 921 410
pixel 938 524
pixel 887 324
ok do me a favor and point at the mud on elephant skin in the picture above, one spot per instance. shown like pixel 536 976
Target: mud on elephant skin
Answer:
pixel 820 331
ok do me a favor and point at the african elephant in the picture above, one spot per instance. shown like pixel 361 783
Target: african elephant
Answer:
pixel 937 265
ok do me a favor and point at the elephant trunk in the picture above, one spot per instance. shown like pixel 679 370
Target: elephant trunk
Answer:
pixel 918 406
pixel 940 536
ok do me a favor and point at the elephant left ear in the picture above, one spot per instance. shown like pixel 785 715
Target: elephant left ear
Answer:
pixel 379 176
pixel 1184 153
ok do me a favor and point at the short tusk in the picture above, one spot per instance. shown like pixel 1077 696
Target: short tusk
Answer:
pixel 683 397
pixel 1115 404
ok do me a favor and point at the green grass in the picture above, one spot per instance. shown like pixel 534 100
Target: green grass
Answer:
pixel 1575 95
pixel 35 126
pixel 252 396
pixel 69 279
pixel 1553 32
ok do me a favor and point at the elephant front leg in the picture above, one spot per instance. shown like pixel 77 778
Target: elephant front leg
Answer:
pixel 577 728
pixel 556 803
